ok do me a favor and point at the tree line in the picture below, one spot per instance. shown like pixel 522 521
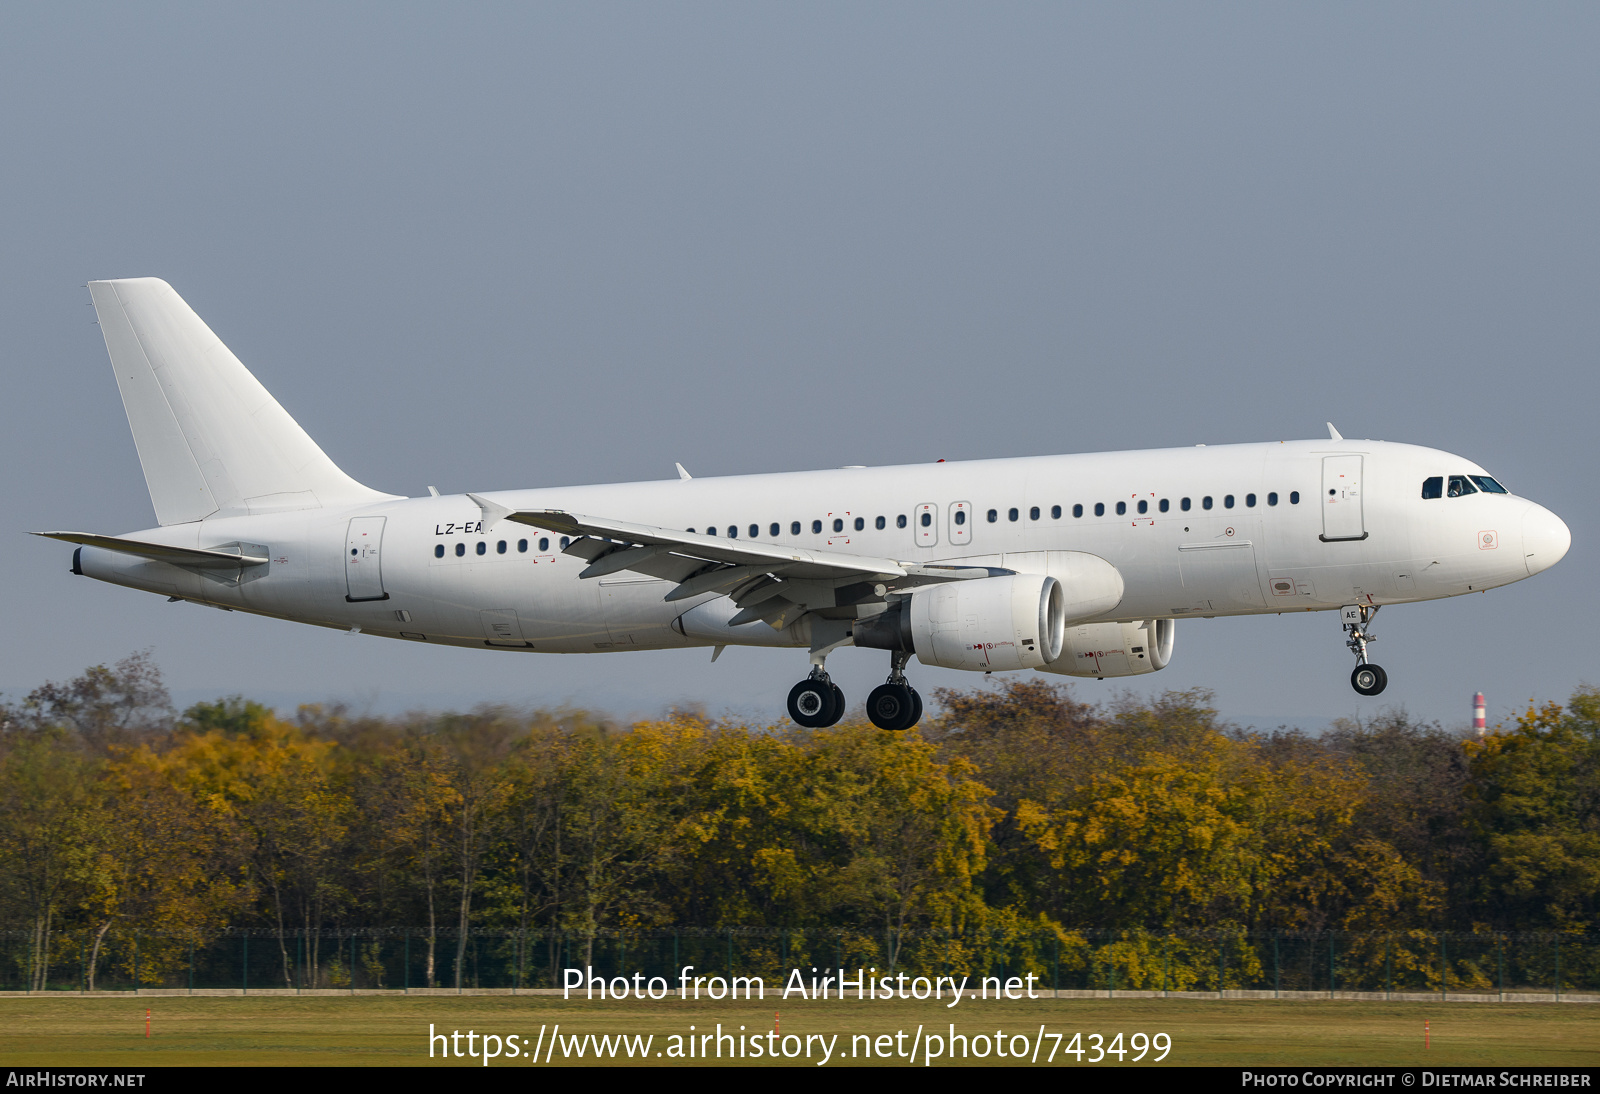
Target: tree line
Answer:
pixel 1018 807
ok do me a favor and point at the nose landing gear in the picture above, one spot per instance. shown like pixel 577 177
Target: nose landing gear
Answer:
pixel 895 705
pixel 1367 679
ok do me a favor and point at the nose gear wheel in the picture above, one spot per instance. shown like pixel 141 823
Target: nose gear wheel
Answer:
pixel 1367 679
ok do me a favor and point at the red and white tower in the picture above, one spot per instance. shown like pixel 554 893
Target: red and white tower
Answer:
pixel 1477 713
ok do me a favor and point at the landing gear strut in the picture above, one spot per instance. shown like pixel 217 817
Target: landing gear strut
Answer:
pixel 1367 679
pixel 816 702
pixel 895 704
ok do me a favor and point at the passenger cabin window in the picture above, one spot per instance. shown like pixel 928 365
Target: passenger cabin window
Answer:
pixel 838 525
pixel 1488 485
pixel 773 529
pixel 1460 487
pixel 544 544
pixel 1144 506
pixel 522 546
pixel 1165 505
pixel 755 531
pixel 1294 497
pixel 1077 510
pixel 1205 502
pixel 1011 514
pixel 816 527
pixel 1227 502
pixel 483 548
pixel 1033 514
pixel 1433 488
pixel 1122 508
pixel 1272 499
pixel 994 515
pixel 794 528
pixel 500 548
pixel 566 541
pixel 900 521
pixel 1055 512
pixel 461 549
pixel 1099 508
pixel 733 531
pixel 880 524
pixel 438 550
pixel 927 518
pixel 1250 500
pixel 1184 505
pixel 961 517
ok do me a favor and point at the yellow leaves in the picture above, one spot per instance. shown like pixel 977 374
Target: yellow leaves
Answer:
pixel 1165 838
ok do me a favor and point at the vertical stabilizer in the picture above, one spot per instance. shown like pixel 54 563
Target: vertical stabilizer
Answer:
pixel 211 439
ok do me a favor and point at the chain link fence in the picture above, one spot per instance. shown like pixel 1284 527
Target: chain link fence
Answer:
pixel 398 958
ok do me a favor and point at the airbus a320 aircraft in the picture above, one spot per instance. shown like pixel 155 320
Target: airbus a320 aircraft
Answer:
pixel 1078 565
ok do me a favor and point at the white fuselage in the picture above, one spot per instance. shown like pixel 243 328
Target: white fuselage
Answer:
pixel 1291 526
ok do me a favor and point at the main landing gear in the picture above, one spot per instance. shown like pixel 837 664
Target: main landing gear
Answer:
pixel 895 704
pixel 1366 679
pixel 816 702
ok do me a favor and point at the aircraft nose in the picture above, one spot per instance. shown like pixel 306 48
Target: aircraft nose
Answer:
pixel 1545 538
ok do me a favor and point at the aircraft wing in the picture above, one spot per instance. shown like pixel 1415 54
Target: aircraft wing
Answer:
pixel 796 562
pixel 773 582
pixel 235 555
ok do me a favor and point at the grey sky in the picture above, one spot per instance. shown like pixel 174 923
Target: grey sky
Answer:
pixel 487 246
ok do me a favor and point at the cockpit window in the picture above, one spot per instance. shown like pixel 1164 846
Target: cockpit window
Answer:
pixel 1433 488
pixel 1488 485
pixel 1460 487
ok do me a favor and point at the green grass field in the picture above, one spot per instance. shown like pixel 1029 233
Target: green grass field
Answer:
pixel 392 1030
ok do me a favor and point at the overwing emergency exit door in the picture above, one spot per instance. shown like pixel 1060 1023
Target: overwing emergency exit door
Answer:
pixel 1341 498
pixel 363 569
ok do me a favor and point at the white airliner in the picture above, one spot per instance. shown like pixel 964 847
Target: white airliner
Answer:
pixel 1077 565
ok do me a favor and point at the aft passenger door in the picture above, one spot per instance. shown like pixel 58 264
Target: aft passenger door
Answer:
pixel 363 570
pixel 1341 498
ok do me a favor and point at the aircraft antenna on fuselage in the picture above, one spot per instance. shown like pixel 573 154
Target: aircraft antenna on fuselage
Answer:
pixel 1333 434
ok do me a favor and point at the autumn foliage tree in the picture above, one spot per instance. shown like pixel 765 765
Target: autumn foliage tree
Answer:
pixel 1016 809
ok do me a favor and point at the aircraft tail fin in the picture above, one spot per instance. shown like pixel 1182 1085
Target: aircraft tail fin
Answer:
pixel 211 439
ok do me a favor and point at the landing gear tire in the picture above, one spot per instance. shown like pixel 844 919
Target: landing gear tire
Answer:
pixel 894 706
pixel 810 703
pixel 816 703
pixel 838 707
pixel 1369 679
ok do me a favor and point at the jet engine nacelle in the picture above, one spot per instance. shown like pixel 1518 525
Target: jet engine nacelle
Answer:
pixel 988 624
pixel 1115 649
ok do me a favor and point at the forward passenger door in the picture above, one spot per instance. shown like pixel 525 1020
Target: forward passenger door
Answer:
pixel 1341 498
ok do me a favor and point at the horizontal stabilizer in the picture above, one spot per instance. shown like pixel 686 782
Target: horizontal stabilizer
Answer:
pixel 235 555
